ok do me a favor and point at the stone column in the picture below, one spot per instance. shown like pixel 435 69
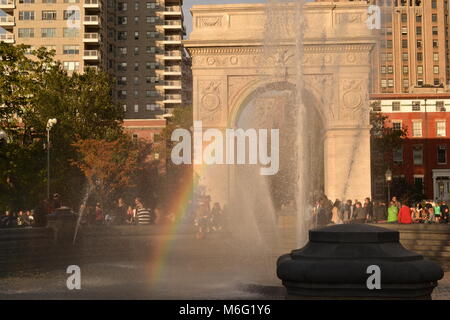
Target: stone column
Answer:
pixel 347 163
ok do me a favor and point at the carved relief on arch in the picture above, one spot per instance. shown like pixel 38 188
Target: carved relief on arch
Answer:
pixel 353 94
pixel 211 102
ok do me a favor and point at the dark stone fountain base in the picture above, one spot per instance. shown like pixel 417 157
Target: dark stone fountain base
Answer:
pixel 334 265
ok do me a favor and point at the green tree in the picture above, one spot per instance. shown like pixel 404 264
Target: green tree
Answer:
pixel 34 88
pixel 384 140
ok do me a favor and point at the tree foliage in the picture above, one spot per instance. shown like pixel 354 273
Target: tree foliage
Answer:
pixel 34 88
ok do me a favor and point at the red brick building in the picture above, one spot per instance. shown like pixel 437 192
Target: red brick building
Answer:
pixel 424 157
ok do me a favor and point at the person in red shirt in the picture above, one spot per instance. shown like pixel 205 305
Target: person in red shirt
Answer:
pixel 404 216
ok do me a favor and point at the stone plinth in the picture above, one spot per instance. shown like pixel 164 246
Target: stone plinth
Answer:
pixel 334 264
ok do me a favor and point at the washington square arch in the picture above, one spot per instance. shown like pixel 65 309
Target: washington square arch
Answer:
pixel 234 73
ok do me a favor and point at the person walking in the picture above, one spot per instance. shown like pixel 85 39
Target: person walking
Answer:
pixel 392 212
pixel 336 212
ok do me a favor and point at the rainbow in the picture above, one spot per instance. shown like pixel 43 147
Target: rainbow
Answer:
pixel 179 207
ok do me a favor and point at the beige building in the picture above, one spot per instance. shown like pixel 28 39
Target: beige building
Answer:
pixel 413 49
pixel 137 42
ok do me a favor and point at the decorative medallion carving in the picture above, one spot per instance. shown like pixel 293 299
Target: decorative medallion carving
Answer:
pixel 353 98
pixel 210 101
pixel 210 22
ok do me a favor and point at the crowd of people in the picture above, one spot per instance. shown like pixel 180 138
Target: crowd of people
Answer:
pixel 326 212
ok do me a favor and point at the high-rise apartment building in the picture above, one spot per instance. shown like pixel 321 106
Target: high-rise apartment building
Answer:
pixel 413 48
pixel 138 42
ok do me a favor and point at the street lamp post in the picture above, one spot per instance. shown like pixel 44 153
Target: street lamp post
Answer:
pixel 388 176
pixel 50 124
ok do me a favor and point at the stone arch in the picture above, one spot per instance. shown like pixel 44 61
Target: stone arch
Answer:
pixel 255 88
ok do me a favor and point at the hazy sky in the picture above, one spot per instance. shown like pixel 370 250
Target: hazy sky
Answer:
pixel 189 3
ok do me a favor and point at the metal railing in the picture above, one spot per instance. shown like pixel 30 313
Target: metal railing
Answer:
pixel 91 19
pixel 91 53
pixel 4 19
pixel 91 35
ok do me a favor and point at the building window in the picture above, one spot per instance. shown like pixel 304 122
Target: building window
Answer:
pixel 390 69
pixel 124 107
pixel 418 155
pixel 71 65
pixel 418 30
pixel 122 94
pixel 434 17
pixel 122 35
pixel 136 35
pixel 48 15
pixel 405 56
pixel 441 130
pixel 48 1
pixel 122 81
pixel 122 21
pixel 418 182
pixel 122 51
pixel 404 44
pixel 420 70
pixel 435 31
pixel 26 1
pixel 436 81
pixel 398 155
pixel 418 18
pixel 26 15
pixel 71 15
pixel 136 80
pixel 122 66
pixel 405 83
pixel 396 106
pixel 71 33
pixel 420 82
pixel 122 6
pixel 71 49
pixel 440 106
pixel 404 30
pixel 26 33
pixel 442 154
pixel 433 4
pixel 417 129
pixel 435 56
pixel 436 69
pixel 384 83
pixel 390 83
pixel 397 125
pixel 419 56
pixel 435 44
pixel 416 106
pixel 404 17
pixel 389 44
pixel 48 32
pixel 136 108
pixel 136 51
pixel 405 69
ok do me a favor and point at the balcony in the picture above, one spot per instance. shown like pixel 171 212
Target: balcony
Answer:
pixel 172 55
pixel 91 37
pixel 91 20
pixel 172 24
pixel 7 37
pixel 95 4
pixel 175 71
pixel 7 21
pixel 172 84
pixel 94 68
pixel 172 98
pixel 172 11
pixel 91 55
pixel 6 5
